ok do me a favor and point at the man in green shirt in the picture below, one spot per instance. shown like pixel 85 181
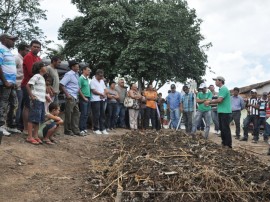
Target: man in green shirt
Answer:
pixel 203 110
pixel 85 95
pixel 224 111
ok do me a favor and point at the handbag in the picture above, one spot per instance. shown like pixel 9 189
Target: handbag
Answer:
pixel 128 101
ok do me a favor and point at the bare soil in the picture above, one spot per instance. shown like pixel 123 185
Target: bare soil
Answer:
pixel 79 168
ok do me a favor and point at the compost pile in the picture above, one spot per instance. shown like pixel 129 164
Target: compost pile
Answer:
pixel 171 166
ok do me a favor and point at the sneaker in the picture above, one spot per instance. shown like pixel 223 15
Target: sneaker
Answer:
pixel 82 133
pixel 97 132
pixel 104 132
pixel 85 131
pixel 218 132
pixel 5 132
pixel 13 130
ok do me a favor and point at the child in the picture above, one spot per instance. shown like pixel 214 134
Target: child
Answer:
pixel 49 92
pixel 36 89
pixel 52 124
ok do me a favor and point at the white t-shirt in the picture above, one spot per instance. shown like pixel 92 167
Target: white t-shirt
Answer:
pixel 38 87
pixel 99 86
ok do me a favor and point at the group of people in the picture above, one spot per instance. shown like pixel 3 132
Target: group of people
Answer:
pixel 222 108
pixel 29 102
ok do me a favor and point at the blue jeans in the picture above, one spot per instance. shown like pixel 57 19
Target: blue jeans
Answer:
pixel 85 111
pixel 214 115
pixel 121 113
pixel 98 115
pixel 112 116
pixel 175 116
pixel 198 118
pixel 267 131
pixel 19 121
pixel 251 119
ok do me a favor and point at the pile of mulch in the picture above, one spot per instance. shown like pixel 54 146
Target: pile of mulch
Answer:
pixel 170 166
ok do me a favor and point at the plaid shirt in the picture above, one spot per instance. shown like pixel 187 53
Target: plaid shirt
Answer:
pixel 188 102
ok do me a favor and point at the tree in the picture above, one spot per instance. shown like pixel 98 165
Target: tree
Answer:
pixel 147 40
pixel 20 18
pixel 58 51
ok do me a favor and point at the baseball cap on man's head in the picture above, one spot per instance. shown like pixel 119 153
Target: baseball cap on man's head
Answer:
pixel 8 36
pixel 221 78
pixel 173 86
pixel 72 63
pixel 253 91
pixel 203 85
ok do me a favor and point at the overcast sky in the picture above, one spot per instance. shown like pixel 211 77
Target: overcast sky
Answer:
pixel 238 29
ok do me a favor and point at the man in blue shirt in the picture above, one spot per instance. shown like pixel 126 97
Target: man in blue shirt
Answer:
pixel 70 86
pixel 8 96
pixel 187 108
pixel 173 104
pixel 238 105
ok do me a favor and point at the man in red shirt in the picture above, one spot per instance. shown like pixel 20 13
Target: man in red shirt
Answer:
pixel 28 62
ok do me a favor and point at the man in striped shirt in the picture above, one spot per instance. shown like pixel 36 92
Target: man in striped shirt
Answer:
pixel 263 101
pixel 8 72
pixel 252 117
pixel 187 108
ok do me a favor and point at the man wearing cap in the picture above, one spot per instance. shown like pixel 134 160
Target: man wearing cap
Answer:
pixel 252 117
pixel 28 61
pixel 173 105
pixel 8 71
pixel 224 111
pixel 263 101
pixel 238 105
pixel 70 86
pixel 203 110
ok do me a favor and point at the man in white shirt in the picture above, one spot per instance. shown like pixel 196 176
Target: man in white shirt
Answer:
pixel 98 89
pixel 23 49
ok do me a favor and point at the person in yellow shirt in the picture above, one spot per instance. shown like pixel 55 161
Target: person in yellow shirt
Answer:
pixel 151 96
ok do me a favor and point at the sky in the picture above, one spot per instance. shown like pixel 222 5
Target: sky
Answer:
pixel 238 29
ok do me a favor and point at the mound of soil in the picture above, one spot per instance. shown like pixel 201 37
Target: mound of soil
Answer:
pixel 170 166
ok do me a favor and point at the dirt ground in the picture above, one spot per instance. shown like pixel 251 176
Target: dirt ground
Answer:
pixel 59 172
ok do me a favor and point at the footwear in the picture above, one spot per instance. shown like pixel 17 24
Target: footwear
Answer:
pixel 5 132
pixel 48 142
pixel 39 140
pixel 97 132
pixel 32 141
pixel 237 137
pixel 25 132
pixel 268 153
pixel 104 132
pixel 218 132
pixel 13 130
pixel 244 139
pixel 85 131
pixel 255 141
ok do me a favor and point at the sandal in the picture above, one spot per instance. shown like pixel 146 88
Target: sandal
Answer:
pixel 32 141
pixel 38 140
pixel 48 142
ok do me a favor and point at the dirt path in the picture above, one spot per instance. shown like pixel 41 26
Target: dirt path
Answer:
pixel 57 173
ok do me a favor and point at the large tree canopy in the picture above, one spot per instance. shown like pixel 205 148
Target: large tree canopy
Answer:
pixel 146 40
pixel 20 18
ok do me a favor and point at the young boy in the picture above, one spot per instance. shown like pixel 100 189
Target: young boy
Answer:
pixel 52 123
pixel 36 89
